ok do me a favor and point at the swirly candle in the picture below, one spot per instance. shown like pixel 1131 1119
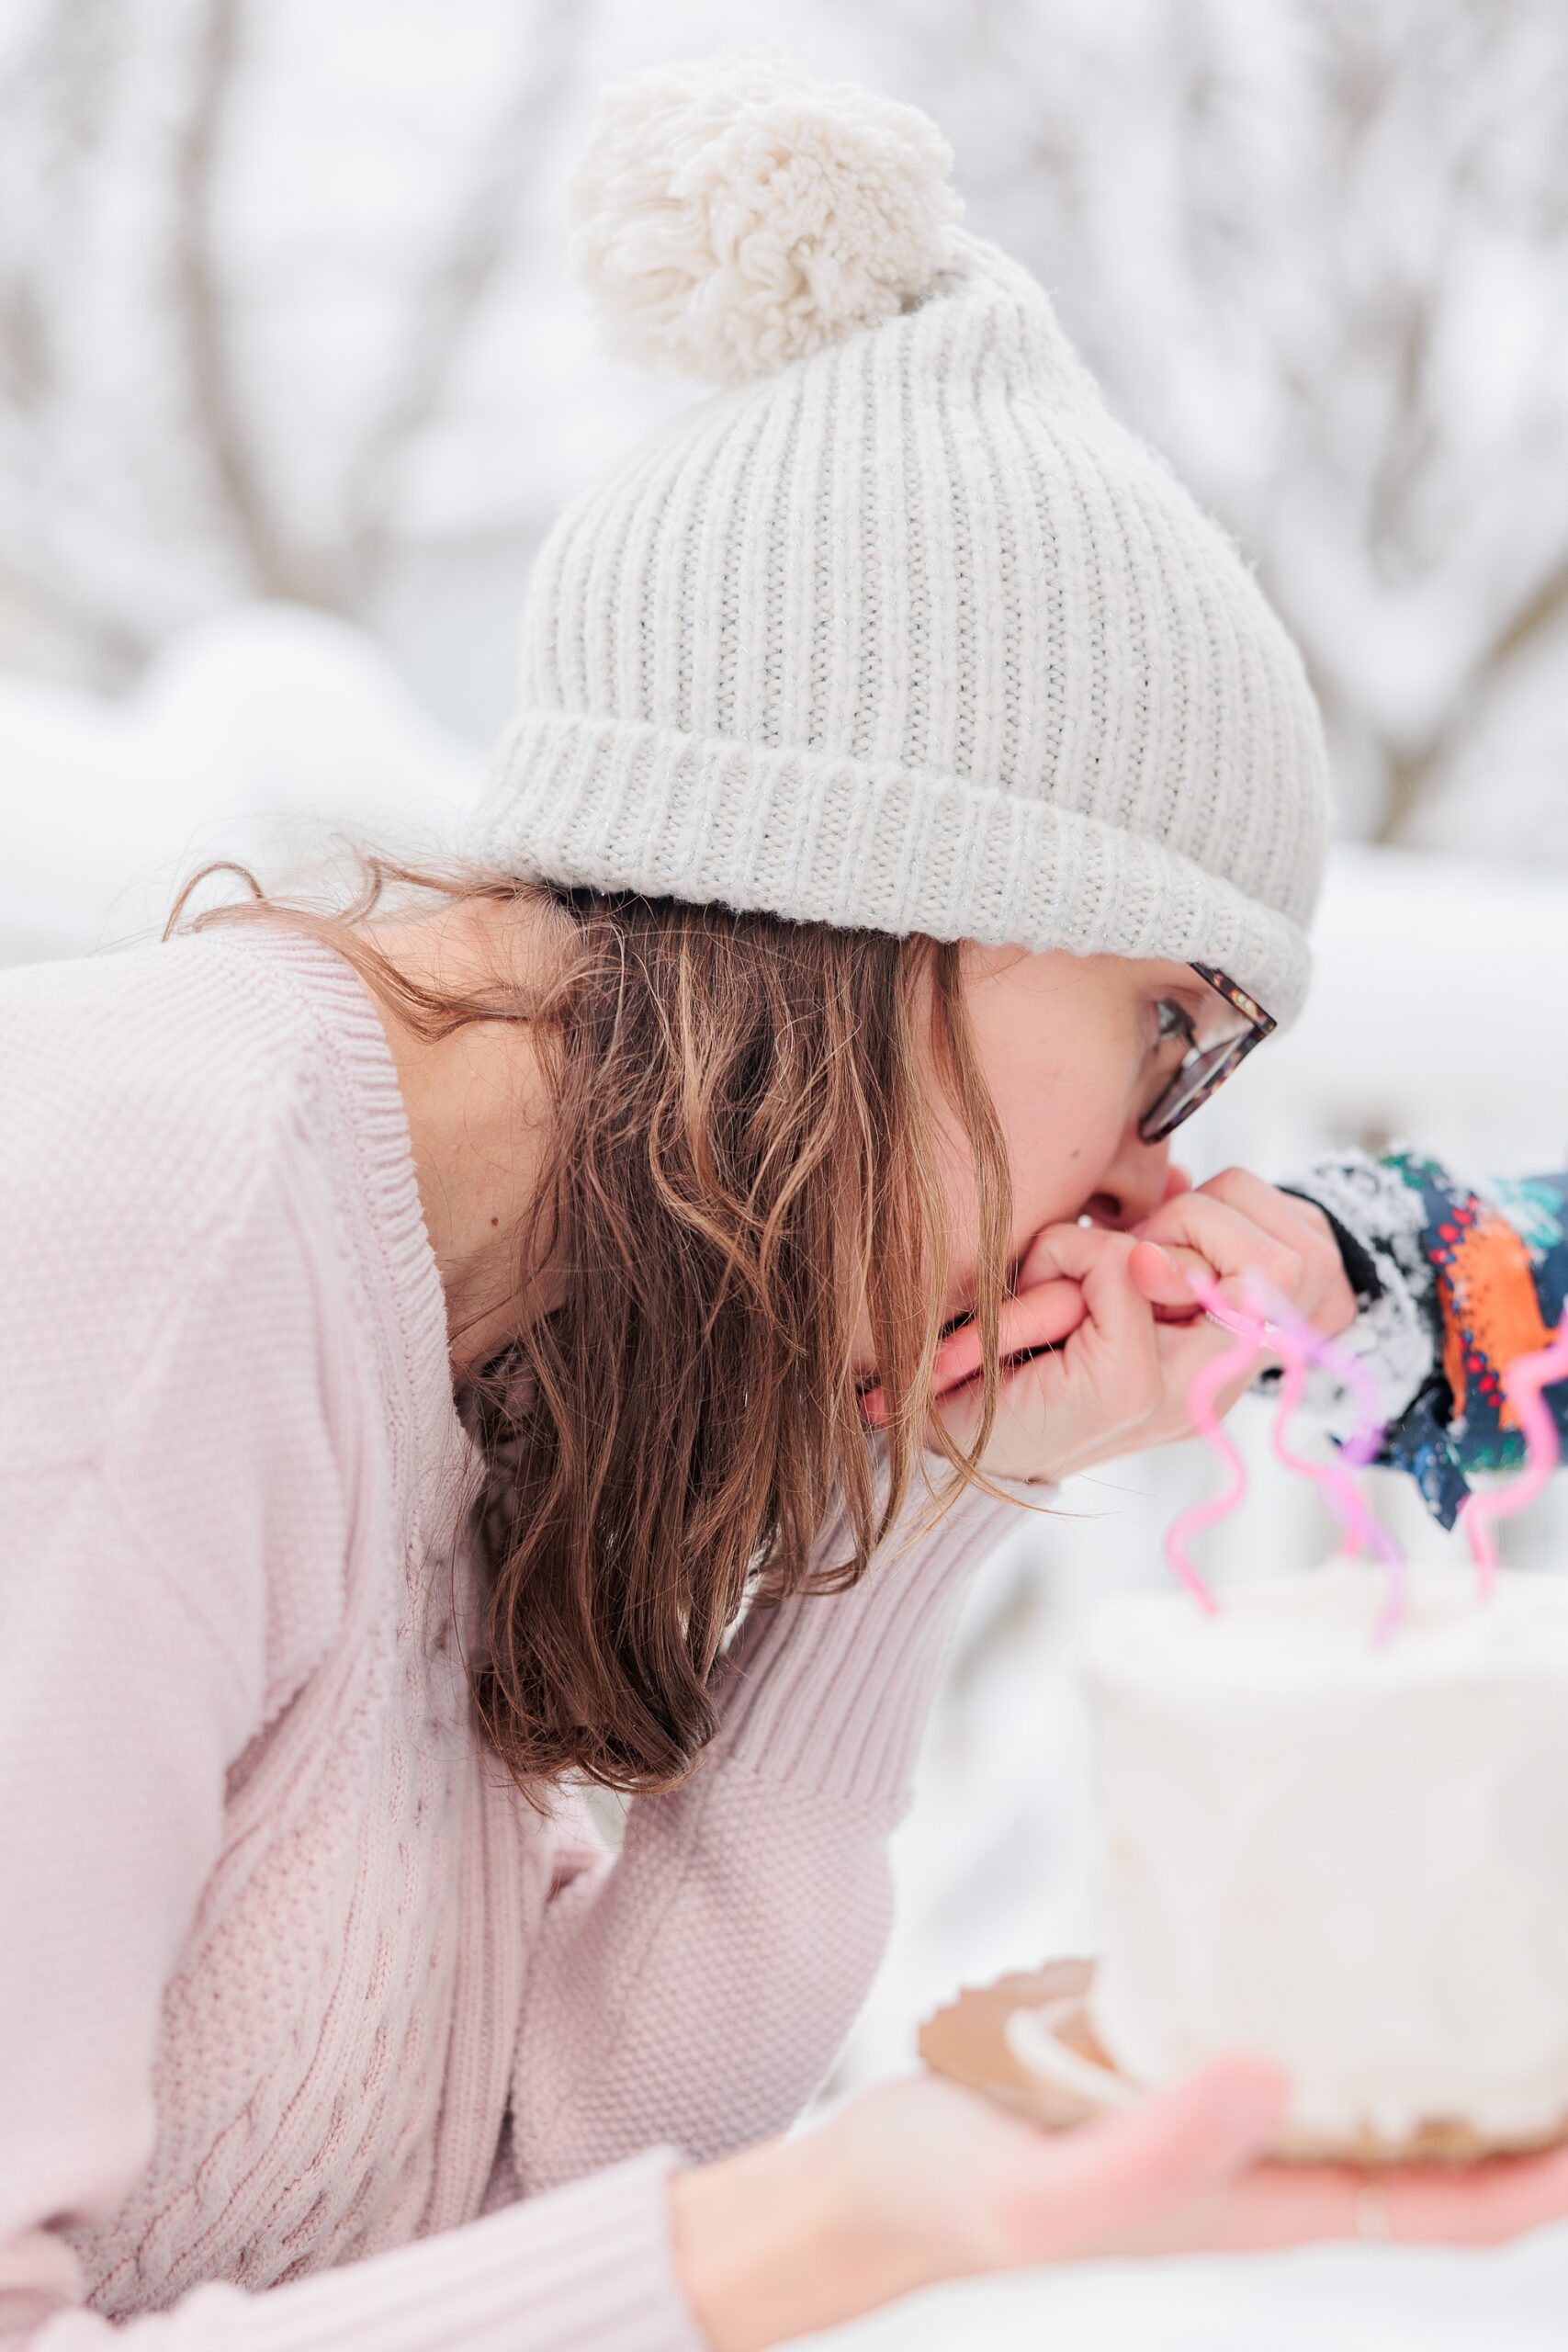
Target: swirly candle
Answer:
pixel 1301 1345
pixel 1248 1341
pixel 1270 1322
pixel 1522 1384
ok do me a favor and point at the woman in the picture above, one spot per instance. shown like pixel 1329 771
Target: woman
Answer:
pixel 424 1328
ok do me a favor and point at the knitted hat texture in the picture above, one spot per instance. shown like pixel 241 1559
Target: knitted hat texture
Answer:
pixel 900 629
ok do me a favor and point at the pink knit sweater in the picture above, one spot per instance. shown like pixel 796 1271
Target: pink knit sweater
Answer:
pixel 312 2033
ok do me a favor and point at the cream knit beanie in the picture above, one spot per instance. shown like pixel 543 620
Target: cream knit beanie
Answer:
pixel 900 630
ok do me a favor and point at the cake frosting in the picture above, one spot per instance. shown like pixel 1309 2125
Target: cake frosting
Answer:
pixel 1351 1856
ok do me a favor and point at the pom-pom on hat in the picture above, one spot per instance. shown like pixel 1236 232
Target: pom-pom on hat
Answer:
pixel 731 217
pixel 900 629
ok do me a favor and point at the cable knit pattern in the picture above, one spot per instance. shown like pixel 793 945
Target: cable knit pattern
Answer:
pixel 910 633
pixel 298 1995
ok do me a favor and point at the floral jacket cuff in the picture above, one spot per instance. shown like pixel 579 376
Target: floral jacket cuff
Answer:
pixel 1452 1281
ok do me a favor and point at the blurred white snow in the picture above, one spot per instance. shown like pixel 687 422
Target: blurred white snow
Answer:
pixel 265 734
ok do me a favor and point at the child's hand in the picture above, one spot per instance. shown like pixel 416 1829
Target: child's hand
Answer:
pixel 1233 1221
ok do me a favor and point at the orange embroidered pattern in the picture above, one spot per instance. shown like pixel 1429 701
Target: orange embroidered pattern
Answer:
pixel 1490 1312
pixel 1497 1288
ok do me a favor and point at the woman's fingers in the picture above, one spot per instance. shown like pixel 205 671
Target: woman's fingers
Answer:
pixel 1090 1397
pixel 1121 1381
pixel 1481 2204
pixel 1092 1262
pixel 1043 1316
pixel 1115 2185
pixel 1116 1337
pixel 1046 1308
pixel 1104 1335
pixel 926 2182
pixel 1176 2182
pixel 1233 1228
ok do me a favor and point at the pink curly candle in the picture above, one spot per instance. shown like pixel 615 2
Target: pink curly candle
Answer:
pixel 1522 1384
pixel 1301 1345
pixel 1271 1321
pixel 1202 1396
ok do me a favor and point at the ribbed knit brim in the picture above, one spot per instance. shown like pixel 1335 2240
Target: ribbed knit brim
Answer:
pixel 913 635
pixel 866 845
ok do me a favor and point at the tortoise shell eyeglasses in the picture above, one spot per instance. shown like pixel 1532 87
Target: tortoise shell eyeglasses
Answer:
pixel 1213 1056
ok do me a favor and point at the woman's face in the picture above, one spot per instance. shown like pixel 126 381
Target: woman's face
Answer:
pixel 1075 1049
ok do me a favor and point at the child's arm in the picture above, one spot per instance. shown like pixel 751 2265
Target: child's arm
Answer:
pixel 1452 1282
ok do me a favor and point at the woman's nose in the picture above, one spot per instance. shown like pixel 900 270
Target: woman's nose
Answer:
pixel 1137 1181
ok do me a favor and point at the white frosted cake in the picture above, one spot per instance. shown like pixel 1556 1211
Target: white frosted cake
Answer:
pixel 1353 1858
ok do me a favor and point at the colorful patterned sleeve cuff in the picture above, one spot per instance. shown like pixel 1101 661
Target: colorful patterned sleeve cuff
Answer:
pixel 1453 1281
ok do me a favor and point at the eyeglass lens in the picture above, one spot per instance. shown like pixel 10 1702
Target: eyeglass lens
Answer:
pixel 1198 1076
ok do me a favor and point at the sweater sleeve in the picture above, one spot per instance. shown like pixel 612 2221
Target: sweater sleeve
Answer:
pixel 1453 1281
pixel 155 1468
pixel 587 2269
pixel 696 1989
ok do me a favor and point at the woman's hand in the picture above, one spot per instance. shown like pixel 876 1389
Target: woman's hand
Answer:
pixel 920 2182
pixel 1120 1332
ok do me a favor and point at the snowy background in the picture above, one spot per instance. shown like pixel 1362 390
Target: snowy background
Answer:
pixel 292 379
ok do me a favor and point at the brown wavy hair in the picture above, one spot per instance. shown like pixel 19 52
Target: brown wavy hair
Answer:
pixel 741 1154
